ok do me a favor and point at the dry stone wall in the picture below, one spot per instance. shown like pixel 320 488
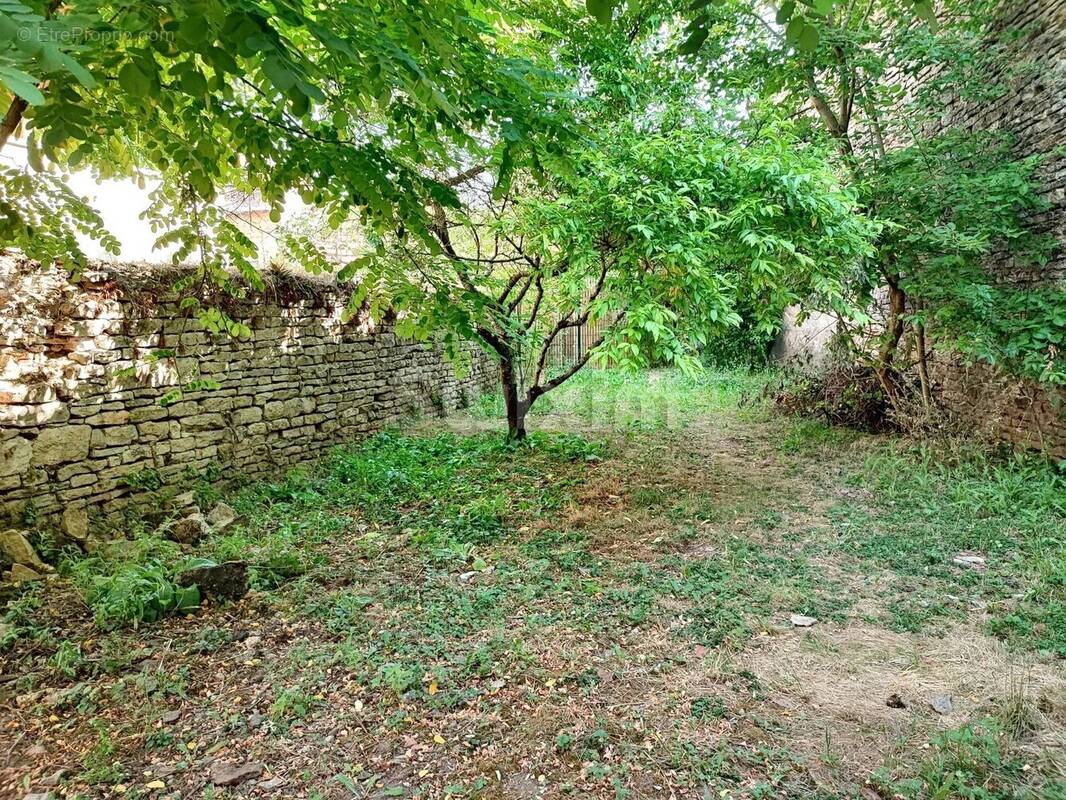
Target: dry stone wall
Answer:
pixel 1033 111
pixel 93 414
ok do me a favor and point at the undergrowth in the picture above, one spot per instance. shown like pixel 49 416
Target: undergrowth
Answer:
pixel 931 506
pixel 431 572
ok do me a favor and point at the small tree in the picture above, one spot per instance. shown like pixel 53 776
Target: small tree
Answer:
pixel 658 233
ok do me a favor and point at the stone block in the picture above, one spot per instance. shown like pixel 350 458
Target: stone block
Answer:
pixel 118 417
pixel 246 416
pixel 203 422
pixel 28 416
pixel 20 573
pixel 148 413
pixel 15 455
pixel 190 529
pixel 61 444
pixel 285 409
pixel 17 549
pixel 115 436
pixel 76 523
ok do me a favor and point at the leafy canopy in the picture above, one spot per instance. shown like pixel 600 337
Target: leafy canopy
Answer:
pixel 666 221
pixel 351 104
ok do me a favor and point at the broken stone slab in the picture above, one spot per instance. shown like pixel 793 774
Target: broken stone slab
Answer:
pixel 17 548
pixel 970 561
pixel 76 523
pixel 942 704
pixel 190 529
pixel 228 580
pixel 221 517
pixel 229 774
pixel 55 778
pixel 170 717
pixel 802 620
pixel 20 573
pixel 186 501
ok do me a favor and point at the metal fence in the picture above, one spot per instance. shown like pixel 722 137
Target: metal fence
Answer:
pixel 572 343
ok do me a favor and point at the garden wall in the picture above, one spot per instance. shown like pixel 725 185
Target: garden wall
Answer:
pixel 1034 112
pixel 92 414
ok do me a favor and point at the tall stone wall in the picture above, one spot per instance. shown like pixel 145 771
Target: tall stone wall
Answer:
pixel 99 405
pixel 1033 111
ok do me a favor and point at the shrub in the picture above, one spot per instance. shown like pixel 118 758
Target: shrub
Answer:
pixel 840 393
pixel 134 593
pixel 745 347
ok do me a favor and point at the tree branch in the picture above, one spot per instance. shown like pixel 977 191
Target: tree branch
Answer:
pixel 464 176
pixel 537 390
pixel 536 304
pixel 567 321
pixel 511 283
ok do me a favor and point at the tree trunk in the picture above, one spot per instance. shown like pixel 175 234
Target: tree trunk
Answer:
pixel 923 368
pixel 897 307
pixel 11 119
pixel 516 407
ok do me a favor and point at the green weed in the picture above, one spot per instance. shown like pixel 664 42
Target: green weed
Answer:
pixel 930 506
pixel 99 765
pixel 130 593
pixel 974 762
pixel 811 434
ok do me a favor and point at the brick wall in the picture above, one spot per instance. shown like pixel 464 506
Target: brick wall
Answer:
pixel 1034 112
pixel 82 425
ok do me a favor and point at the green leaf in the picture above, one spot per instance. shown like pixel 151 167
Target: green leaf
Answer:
pixel 82 75
pixel 279 73
pixel 602 10
pixel 9 29
pixel 694 41
pixel 925 10
pixel 18 82
pixel 504 173
pixel 193 29
pixel 186 598
pixel 794 29
pixel 134 81
pixel 784 14
pixel 808 38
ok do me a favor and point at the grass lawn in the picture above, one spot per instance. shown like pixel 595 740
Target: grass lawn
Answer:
pixel 606 611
